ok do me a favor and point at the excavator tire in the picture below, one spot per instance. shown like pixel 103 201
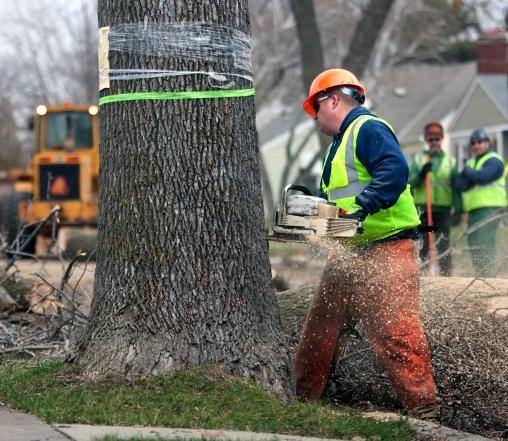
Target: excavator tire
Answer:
pixel 10 221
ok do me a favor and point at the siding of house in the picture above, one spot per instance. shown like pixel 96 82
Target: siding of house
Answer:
pixel 479 112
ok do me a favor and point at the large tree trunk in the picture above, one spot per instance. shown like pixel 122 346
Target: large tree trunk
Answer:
pixel 183 276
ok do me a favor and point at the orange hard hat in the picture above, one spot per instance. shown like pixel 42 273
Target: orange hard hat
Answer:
pixel 327 79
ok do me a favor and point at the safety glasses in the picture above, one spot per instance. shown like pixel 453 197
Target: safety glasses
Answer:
pixel 318 100
pixel 433 139
pixel 480 141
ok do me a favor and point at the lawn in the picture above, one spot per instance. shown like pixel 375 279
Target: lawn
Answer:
pixel 205 398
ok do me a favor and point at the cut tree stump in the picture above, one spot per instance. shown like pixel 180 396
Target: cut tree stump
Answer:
pixel 293 305
pixel 467 331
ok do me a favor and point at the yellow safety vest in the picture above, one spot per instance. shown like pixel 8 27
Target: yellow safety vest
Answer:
pixel 492 194
pixel 440 180
pixel 349 177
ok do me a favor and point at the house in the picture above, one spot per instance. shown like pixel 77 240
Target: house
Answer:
pixel 413 95
pixel 485 103
pixel 462 96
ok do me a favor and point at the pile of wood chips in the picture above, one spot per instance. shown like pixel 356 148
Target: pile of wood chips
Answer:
pixel 464 319
pixel 468 336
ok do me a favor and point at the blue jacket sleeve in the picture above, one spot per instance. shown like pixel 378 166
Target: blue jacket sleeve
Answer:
pixel 379 151
pixel 491 170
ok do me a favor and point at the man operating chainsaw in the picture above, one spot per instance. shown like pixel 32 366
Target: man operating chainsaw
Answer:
pixel 365 175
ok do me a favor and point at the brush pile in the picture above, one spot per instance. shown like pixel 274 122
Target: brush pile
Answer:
pixel 468 337
pixel 38 316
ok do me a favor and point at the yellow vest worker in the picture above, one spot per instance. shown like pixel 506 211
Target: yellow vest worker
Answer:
pixel 445 200
pixel 365 174
pixel 484 193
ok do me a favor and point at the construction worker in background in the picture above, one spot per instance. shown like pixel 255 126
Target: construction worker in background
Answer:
pixel 377 281
pixel 484 196
pixel 445 205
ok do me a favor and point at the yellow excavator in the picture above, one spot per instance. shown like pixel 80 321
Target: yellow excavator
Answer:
pixel 63 172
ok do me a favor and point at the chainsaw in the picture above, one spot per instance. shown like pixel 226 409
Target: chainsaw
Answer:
pixel 301 216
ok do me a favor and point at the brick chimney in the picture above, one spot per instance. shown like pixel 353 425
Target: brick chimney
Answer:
pixel 493 53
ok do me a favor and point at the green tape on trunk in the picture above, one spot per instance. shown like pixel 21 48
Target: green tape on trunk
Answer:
pixel 203 94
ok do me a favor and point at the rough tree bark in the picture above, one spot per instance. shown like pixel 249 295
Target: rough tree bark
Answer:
pixel 183 276
pixel 267 192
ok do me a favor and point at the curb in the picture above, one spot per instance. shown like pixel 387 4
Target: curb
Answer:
pixel 84 432
pixel 17 426
pixel 425 430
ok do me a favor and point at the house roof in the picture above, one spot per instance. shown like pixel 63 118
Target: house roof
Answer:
pixel 496 87
pixel 412 95
pixel 407 96
pixel 484 104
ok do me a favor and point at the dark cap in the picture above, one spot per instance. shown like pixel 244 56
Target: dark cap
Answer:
pixel 479 135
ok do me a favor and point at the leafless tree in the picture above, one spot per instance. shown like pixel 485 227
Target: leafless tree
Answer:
pixel 50 51
pixel 359 51
pixel 424 31
pixel 49 55
pixel 366 34
pixel 383 33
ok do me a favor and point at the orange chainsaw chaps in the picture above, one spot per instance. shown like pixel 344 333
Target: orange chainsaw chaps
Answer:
pixel 379 287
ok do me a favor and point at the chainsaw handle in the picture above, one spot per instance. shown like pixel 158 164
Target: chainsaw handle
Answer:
pixel 285 194
pixel 296 187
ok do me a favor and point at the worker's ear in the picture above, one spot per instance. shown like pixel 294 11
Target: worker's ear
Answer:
pixel 336 100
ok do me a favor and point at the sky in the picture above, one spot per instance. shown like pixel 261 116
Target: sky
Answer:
pixel 494 16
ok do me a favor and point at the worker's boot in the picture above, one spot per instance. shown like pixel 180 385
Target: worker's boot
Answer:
pixel 440 412
pixel 431 412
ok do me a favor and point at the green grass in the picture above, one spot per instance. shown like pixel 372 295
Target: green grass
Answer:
pixel 198 398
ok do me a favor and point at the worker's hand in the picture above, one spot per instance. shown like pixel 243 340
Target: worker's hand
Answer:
pixel 359 215
pixel 468 173
pixel 462 183
pixel 427 167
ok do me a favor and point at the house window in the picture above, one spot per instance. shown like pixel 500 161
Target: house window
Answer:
pixel 463 150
